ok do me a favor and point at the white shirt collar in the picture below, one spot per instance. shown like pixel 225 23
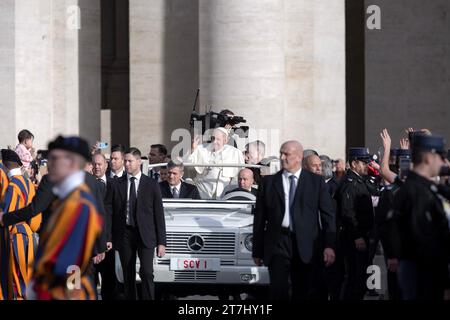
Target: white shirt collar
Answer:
pixel 178 186
pixel 69 184
pixel 120 174
pixel 288 174
pixel 104 178
pixel 14 172
pixel 138 176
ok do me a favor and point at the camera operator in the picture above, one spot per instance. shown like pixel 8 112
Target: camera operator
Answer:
pixel 226 119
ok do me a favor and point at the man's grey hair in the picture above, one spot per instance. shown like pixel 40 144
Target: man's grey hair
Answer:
pixel 99 154
pixel 327 167
pixel 171 164
pixel 260 147
pixel 309 152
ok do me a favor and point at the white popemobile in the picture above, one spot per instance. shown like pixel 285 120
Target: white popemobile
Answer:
pixel 209 248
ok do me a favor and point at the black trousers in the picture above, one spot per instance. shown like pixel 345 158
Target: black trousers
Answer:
pixel 356 263
pixel 290 277
pixel 422 280
pixel 334 277
pixel 106 269
pixel 132 243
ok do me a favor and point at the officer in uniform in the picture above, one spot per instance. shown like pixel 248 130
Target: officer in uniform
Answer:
pixel 356 218
pixel 382 221
pixel 421 236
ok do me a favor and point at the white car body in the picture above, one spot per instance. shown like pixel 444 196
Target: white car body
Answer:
pixel 208 242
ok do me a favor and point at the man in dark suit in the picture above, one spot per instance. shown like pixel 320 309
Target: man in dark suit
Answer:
pixel 157 154
pixel 173 187
pixel 107 267
pixel 287 236
pixel 135 204
pixel 116 168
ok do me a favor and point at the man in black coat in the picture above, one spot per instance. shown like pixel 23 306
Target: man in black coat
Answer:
pixel 286 232
pixel 138 224
pixel 356 220
pixel 174 187
pixel 419 226
pixel 107 267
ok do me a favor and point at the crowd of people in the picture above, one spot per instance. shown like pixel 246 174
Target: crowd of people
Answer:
pixel 318 222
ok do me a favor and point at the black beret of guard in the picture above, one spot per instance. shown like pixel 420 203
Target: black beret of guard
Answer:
pixel 72 144
pixel 10 156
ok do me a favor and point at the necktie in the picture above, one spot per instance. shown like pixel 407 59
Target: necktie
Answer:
pixel 156 176
pixel 175 193
pixel 102 181
pixel 132 202
pixel 115 177
pixel 292 189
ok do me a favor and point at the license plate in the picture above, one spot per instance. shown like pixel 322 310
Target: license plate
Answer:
pixel 194 264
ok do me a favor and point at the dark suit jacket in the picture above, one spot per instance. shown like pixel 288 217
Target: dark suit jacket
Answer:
pixel 103 190
pixel 97 190
pixel 149 212
pixel 187 191
pixel 333 185
pixel 311 197
pixel 43 199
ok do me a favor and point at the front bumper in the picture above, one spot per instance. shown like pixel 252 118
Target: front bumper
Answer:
pixel 235 275
pixel 241 274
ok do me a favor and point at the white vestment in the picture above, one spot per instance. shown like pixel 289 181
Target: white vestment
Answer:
pixel 211 181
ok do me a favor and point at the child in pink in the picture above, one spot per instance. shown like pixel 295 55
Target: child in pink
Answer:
pixel 25 148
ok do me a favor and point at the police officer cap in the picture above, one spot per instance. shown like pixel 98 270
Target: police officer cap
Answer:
pixel 72 144
pixel 394 152
pixel 10 156
pixel 359 154
pixel 433 144
pixel 404 153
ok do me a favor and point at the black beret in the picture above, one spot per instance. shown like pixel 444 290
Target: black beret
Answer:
pixel 10 156
pixel 72 144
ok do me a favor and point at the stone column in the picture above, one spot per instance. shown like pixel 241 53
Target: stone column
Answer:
pixel 52 85
pixel 280 64
pixel 163 68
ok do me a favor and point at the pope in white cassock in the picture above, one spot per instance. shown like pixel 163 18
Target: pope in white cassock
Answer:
pixel 211 181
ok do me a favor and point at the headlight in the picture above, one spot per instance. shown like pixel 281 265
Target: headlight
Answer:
pixel 248 242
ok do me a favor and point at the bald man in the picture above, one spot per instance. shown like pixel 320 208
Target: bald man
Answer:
pixel 287 235
pixel 313 164
pixel 212 181
pixel 245 182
